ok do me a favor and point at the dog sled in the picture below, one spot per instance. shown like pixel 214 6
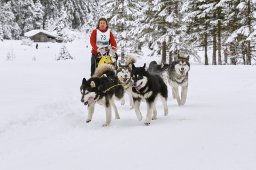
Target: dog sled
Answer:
pixel 107 55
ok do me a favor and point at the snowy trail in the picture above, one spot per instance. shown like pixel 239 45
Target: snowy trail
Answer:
pixel 42 123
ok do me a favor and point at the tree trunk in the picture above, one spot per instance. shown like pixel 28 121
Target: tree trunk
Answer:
pixel 243 53
pixel 226 55
pixel 248 55
pixel 164 52
pixel 170 57
pixel 206 45
pixel 219 37
pixel 214 48
pixel 249 23
pixel 205 49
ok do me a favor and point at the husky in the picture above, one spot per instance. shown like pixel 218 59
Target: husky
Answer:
pixel 148 87
pixel 178 77
pixel 102 88
pixel 124 76
pixel 159 69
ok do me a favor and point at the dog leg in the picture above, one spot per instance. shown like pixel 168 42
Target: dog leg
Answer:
pixel 131 100
pixel 173 94
pixel 116 111
pixel 149 114
pixel 154 112
pixel 172 86
pixel 90 112
pixel 137 109
pixel 108 113
pixel 123 101
pixel 184 92
pixel 164 101
pixel 176 92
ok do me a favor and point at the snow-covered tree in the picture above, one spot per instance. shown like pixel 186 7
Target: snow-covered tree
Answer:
pixel 27 15
pixel 64 54
pixel 38 15
pixel 197 18
pixel 7 18
pixel 242 29
pixel 161 26
pixel 1 32
pixel 122 15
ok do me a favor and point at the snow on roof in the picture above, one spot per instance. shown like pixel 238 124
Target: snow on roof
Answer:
pixel 34 32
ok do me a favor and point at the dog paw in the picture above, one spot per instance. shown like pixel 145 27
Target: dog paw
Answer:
pixel 88 121
pixel 183 103
pixel 105 124
pixel 147 123
pixel 154 118
pixel 139 118
pixel 117 117
pixel 123 102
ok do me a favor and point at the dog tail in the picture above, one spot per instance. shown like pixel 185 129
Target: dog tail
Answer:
pixel 131 60
pixel 104 69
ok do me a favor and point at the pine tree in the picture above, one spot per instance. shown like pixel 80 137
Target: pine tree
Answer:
pixel 198 24
pixel 122 15
pixel 7 18
pixel 27 16
pixel 38 14
pixel 1 32
pixel 241 22
pixel 64 54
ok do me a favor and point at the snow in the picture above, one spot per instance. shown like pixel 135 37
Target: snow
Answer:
pixel 34 32
pixel 42 123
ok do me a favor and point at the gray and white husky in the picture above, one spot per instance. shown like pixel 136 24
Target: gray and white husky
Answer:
pixel 178 77
pixel 124 76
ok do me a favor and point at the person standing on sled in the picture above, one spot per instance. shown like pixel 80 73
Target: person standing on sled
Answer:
pixel 101 37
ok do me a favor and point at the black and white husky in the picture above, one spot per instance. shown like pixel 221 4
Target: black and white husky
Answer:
pixel 124 76
pixel 102 88
pixel 178 77
pixel 148 87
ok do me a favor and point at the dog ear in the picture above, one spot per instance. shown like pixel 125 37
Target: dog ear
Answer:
pixel 133 66
pixel 92 84
pixel 188 57
pixel 84 81
pixel 144 66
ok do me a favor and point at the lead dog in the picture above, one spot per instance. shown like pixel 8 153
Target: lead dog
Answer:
pixel 102 88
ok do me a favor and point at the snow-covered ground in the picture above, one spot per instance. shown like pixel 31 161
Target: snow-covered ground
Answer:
pixel 42 124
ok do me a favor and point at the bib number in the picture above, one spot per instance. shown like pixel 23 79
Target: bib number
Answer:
pixel 103 37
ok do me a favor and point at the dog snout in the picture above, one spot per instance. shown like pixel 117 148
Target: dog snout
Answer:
pixel 82 100
pixel 182 69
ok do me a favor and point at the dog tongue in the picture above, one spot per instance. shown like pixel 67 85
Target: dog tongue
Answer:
pixel 138 88
pixel 91 100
